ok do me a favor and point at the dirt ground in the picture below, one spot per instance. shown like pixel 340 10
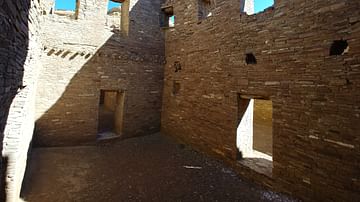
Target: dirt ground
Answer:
pixel 152 168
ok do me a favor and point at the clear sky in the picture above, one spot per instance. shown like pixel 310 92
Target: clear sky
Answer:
pixel 65 4
pixel 112 5
pixel 260 5
pixel 70 4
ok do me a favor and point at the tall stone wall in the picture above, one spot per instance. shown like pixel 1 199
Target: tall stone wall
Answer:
pixel 19 64
pixel 84 56
pixel 315 96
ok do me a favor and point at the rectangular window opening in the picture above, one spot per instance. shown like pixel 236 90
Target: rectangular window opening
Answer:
pixel 167 17
pixel 254 138
pixel 111 109
pixel 205 8
pixel 69 8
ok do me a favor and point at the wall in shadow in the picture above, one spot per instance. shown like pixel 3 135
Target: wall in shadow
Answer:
pixel 77 66
pixel 14 48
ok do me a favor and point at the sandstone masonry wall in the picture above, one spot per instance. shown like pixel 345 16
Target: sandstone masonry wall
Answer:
pixel 316 109
pixel 84 56
pixel 19 64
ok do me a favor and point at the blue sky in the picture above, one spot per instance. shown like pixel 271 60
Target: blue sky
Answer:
pixel 70 4
pixel 112 5
pixel 260 5
pixel 65 4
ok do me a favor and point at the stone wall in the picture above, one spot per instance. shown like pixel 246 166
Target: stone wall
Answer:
pixel 19 64
pixel 315 96
pixel 84 56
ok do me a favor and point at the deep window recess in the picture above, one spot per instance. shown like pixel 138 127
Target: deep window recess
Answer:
pixel 339 47
pixel 250 59
pixel 167 17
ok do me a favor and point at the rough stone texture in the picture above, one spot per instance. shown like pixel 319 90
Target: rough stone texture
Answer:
pixel 316 145
pixel 315 97
pixel 19 64
pixel 170 172
pixel 85 56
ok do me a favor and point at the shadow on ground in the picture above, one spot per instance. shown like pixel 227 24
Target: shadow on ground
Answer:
pixel 152 168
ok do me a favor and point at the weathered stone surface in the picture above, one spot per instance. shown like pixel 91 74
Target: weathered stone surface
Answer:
pixel 85 56
pixel 64 59
pixel 315 96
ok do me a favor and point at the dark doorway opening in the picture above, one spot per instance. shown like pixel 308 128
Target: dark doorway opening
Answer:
pixel 111 108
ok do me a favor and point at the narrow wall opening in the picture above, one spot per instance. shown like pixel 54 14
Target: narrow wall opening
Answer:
pixel 111 111
pixel 254 134
pixel 339 47
pixel 69 8
pixel 167 17
pixel 250 59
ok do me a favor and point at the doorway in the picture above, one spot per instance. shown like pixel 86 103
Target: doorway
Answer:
pixel 111 111
pixel 254 138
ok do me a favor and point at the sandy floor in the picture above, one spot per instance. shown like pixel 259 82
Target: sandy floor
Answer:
pixel 150 168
